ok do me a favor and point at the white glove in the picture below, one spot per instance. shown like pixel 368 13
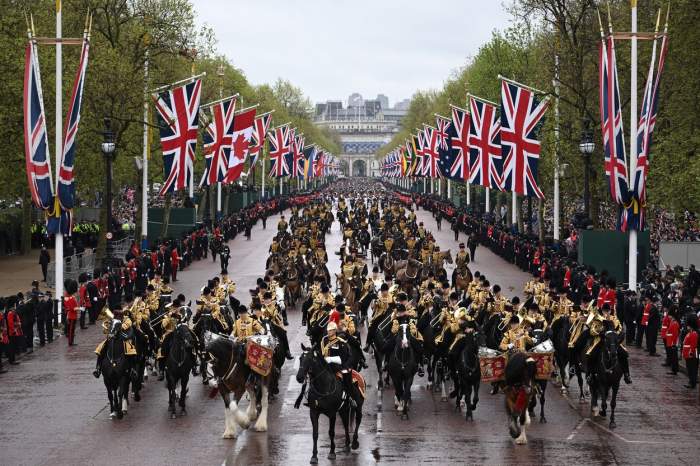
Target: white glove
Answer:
pixel 510 345
pixel 333 360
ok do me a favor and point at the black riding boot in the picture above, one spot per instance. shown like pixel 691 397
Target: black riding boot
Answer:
pixel 285 342
pixel 349 388
pixel 161 368
pixel 284 316
pixel 625 364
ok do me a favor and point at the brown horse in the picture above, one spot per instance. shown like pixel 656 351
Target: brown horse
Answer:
pixel 292 284
pixel 461 277
pixel 408 273
pixel 348 288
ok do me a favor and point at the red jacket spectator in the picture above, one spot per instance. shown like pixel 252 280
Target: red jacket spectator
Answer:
pixel 174 258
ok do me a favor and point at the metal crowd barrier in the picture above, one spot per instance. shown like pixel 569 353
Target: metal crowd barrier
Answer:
pixel 73 267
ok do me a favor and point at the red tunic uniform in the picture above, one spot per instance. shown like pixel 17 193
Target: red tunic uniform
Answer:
pixel 645 314
pixel 71 306
pixel 14 324
pixel 690 345
pixel 672 333
pixel 664 326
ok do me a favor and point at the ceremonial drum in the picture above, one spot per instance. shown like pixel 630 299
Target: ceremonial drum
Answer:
pixel 543 354
pixel 259 351
pixel 493 365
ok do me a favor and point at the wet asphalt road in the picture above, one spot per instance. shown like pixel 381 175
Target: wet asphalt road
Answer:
pixel 52 411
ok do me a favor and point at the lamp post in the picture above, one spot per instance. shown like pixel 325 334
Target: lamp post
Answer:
pixel 586 147
pixel 108 151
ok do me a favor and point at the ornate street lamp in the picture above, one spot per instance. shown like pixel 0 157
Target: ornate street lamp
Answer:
pixel 109 152
pixel 587 146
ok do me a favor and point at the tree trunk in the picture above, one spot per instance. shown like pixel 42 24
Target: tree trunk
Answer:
pixel 25 239
pixel 166 216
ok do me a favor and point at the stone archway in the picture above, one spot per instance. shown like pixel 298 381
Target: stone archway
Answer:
pixel 359 168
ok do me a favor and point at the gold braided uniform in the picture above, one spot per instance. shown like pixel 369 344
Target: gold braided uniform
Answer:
pixel 413 330
pixel 518 337
pixel 129 347
pixel 245 326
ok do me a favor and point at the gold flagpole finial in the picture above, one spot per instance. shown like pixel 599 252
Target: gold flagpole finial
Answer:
pixel 58 6
pixel 658 21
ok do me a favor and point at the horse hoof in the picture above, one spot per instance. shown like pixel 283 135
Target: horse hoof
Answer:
pixel 603 414
pixel 404 417
pixel 346 449
pixel 173 416
pixel 112 414
pixel 543 420
pixel 120 415
pixel 443 399
pixel 228 435
pixel 355 444
pixel 313 460
pixel 137 396
pixel 183 412
pixel 205 382
pixel 520 441
pixel 331 456
pixel 612 424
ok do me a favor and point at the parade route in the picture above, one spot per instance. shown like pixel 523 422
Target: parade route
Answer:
pixel 58 414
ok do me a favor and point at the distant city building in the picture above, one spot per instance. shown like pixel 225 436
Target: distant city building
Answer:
pixel 355 100
pixel 383 100
pixel 364 127
pixel 403 105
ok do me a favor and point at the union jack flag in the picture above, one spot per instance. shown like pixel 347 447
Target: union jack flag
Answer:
pixel 218 142
pixel 36 145
pixel 647 121
pixel 262 125
pixel 431 156
pixel 178 119
pixel 521 114
pixel 442 125
pixel 242 136
pixel 298 156
pixel 280 146
pixel 484 142
pixel 459 169
pixel 410 156
pixel 66 184
pixel 611 124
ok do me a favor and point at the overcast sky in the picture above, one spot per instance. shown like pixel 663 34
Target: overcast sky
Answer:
pixel 332 48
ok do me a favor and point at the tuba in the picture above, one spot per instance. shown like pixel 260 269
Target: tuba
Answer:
pixel 106 316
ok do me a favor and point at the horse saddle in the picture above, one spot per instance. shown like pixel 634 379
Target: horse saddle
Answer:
pixel 357 379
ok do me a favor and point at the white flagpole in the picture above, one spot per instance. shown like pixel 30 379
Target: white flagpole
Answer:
pixel 262 166
pixel 633 144
pixel 514 210
pixel 469 190
pixel 220 73
pixel 556 148
pixel 59 156
pixel 144 163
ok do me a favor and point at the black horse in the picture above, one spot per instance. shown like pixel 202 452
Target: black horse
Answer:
pixel 605 375
pixel 560 339
pixel 402 367
pixel 325 396
pixel 116 370
pixel 178 365
pixel 468 373
pixel 205 324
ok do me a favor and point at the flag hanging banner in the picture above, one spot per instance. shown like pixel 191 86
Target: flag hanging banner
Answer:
pixel 309 161
pixel 484 142
pixel 178 119
pixel 611 124
pixel 458 169
pixel 298 156
pixel 66 182
pixel 446 156
pixel 430 153
pixel 36 145
pixel 634 215
pixel 218 141
pixel 521 116
pixel 262 125
pixel 242 137
pixel 280 146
